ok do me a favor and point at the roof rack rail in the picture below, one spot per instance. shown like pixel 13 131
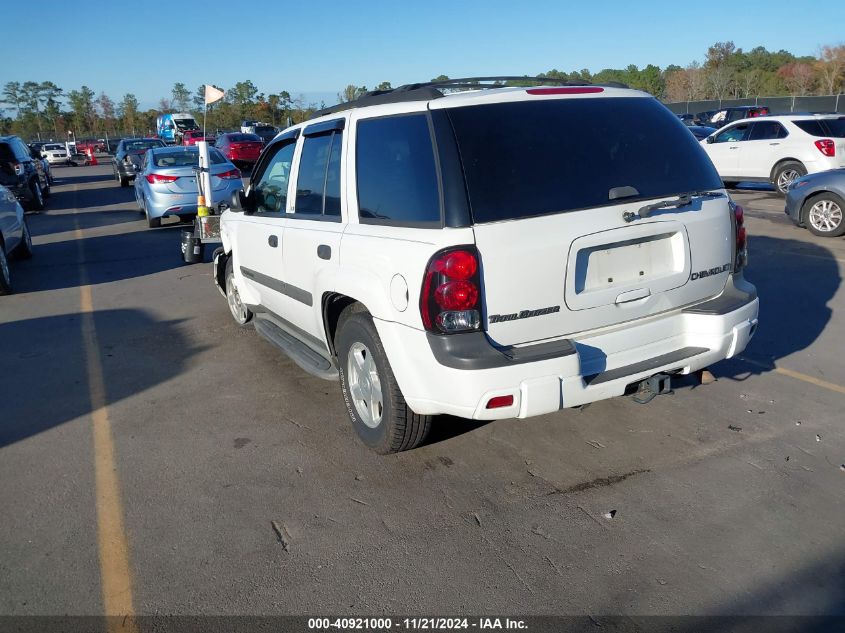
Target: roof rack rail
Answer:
pixel 433 90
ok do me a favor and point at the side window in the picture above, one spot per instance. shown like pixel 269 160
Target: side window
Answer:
pixel 397 177
pixel 766 130
pixel 318 181
pixel 271 191
pixel 733 134
pixel 311 180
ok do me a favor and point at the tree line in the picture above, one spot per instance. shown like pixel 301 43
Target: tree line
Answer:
pixel 45 110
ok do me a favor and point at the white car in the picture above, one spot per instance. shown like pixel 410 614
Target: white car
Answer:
pixel 777 149
pixel 488 254
pixel 55 153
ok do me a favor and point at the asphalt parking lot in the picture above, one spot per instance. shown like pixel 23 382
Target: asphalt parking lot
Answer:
pixel 148 446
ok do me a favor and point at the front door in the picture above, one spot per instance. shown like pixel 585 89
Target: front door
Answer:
pixel 259 253
pixel 724 150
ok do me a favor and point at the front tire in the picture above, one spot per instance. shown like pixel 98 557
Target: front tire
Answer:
pixel 240 313
pixel 786 173
pixel 375 404
pixel 824 215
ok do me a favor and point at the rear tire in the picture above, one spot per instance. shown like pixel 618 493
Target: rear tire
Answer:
pixel 124 181
pixel 786 173
pixel 5 273
pixel 240 313
pixel 24 249
pixel 824 215
pixel 153 223
pixel 375 404
pixel 37 201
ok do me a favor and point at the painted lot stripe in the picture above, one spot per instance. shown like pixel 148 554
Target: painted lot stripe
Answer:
pixel 116 578
pixel 797 375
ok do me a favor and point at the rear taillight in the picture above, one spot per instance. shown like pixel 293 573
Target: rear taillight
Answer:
pixel 159 178
pixel 232 174
pixel 450 300
pixel 826 146
pixel 741 249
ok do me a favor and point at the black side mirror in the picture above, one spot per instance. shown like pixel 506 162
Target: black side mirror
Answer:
pixel 710 139
pixel 243 202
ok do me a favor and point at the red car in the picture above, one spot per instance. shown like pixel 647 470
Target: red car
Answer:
pixel 241 149
pixel 192 136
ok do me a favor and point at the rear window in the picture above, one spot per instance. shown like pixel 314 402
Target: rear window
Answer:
pixel 185 158
pixel 823 127
pixel 137 146
pixel 532 158
pixel 244 138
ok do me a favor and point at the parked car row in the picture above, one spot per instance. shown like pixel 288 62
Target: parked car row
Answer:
pixel 23 172
pixel 15 238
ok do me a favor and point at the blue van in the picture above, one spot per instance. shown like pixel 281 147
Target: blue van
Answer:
pixel 171 127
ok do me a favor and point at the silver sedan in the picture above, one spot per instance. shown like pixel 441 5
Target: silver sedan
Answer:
pixel 167 183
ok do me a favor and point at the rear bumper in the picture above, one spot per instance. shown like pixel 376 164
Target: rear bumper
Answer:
pixel 552 376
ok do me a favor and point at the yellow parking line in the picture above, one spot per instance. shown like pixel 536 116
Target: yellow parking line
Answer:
pixel 798 376
pixel 115 575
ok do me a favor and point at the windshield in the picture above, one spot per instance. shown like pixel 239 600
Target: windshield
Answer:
pixel 530 158
pixel 53 146
pixel 185 124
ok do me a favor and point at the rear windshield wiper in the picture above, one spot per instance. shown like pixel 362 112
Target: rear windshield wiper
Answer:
pixel 684 199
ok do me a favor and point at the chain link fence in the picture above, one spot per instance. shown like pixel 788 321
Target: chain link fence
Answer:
pixel 776 105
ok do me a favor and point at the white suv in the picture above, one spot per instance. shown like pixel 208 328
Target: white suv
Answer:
pixel 777 149
pixel 498 253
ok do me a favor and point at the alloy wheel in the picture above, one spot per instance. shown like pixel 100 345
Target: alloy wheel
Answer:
pixel 365 385
pixel 236 306
pixel 785 179
pixel 825 216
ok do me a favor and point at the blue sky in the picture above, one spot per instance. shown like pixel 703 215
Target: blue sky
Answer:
pixel 318 48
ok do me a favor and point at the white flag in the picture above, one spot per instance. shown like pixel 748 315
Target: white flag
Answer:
pixel 212 94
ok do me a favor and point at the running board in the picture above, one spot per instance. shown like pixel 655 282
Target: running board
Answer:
pixel 671 358
pixel 307 358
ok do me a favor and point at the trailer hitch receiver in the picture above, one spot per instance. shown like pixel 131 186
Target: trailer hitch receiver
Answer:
pixel 656 385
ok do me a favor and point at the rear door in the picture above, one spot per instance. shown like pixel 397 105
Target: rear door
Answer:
pixel 314 227
pixel 762 149
pixel 550 182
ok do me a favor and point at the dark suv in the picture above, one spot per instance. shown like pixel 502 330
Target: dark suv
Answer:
pixel 720 118
pixel 129 156
pixel 22 174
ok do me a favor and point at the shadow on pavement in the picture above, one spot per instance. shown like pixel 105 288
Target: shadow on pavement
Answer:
pixel 43 365
pixel 795 280
pixel 107 258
